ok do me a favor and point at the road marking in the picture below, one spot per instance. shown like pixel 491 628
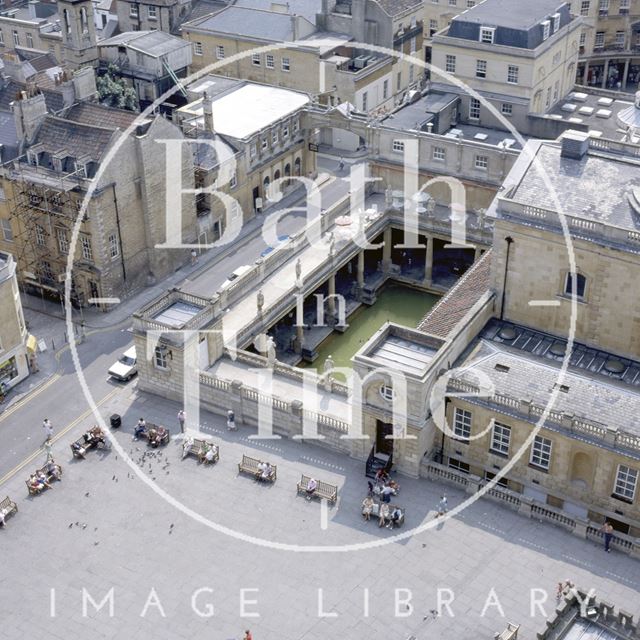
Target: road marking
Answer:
pixel 104 300
pixel 544 303
pixel 57 437
pixel 20 403
pixel 324 514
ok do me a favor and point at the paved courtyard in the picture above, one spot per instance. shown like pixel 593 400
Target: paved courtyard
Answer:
pixel 172 537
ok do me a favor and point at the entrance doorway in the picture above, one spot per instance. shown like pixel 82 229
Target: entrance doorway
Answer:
pixel 384 444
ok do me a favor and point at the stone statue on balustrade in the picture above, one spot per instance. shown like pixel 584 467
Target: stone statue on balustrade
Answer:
pixel 270 348
pixel 260 301
pixel 328 373
pixel 299 272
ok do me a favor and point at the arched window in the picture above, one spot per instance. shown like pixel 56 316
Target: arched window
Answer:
pixel 575 283
pixel 84 24
pixel 297 166
pixel 67 22
pixel 276 175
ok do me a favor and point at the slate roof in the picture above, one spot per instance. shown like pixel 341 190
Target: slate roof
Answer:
pixel 396 7
pixel 11 89
pixel 305 8
pixel 78 140
pixel 441 320
pixel 251 23
pixel 514 14
pixel 203 8
pixel 39 60
pixel 97 115
pixel 152 43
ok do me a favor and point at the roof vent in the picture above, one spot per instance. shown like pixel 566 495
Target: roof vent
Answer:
pixel 613 365
pixel 575 144
pixel 503 368
pixel 507 333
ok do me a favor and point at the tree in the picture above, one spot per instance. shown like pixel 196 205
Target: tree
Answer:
pixel 113 91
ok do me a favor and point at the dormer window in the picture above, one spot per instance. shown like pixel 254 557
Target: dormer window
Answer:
pixel 556 22
pixel 546 29
pixel 487 34
pixel 32 158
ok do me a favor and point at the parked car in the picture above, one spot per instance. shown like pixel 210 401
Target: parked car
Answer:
pixel 126 366
pixel 281 240
pixel 234 276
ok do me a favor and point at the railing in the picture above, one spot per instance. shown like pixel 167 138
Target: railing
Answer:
pixel 551 515
pixel 619 540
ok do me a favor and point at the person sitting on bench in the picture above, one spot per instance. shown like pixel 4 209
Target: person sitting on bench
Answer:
pixel 367 507
pixel 265 470
pixel 383 515
pixel 396 514
pixel 79 449
pixel 140 429
pixel 312 485
pixel 97 435
pixel 210 453
pixel 154 437
pixel 52 469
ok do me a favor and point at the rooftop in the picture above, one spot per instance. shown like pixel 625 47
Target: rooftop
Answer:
pixel 10 90
pixel 152 43
pixel 398 7
pixel 513 14
pixel 449 310
pixel 595 187
pixel 306 8
pixel 404 355
pixel 236 113
pixel 177 314
pixel 269 26
pixel 97 115
pixel 524 364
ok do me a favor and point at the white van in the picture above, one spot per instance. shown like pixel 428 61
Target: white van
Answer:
pixel 126 367
pixel 240 271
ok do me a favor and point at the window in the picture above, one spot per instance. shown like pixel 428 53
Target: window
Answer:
pixel 620 38
pixel 364 101
pixel 581 284
pixel 439 153
pixel 487 34
pixel 161 357
pixel 458 465
pixel 471 4
pixel 285 131
pixel 556 91
pixel 583 38
pixel 197 48
pixel 29 41
pixel 624 7
pixel 220 52
pixel 474 109
pixel 270 61
pixel 512 74
pixel 547 102
pixel 541 452
pixel 114 250
pixel 414 22
pixel 500 437
pixel 87 252
pixel 63 241
pixel 296 126
pixel 139 58
pixel 599 41
pixel 482 162
pixel 133 11
pixel 450 64
pixel 462 423
pixel 398 146
pixel 16 38
pixel 256 59
pixel 433 27
pixel 40 235
pixel 626 481
pixel 412 45
pixel 286 64
pixel 411 73
pixel 399 82
pixel 253 150
pixel 481 68
pixel 152 12
pixel 7 231
pixel 385 89
pixel 506 109
pixel 1 37
pixel 603 7
pixel 584 7
pixel 546 29
pixel 46 270
pixel 503 482
pixel 386 392
pixel 453 3
pixel 265 144
pixel 274 137
pixel 233 182
pixel 556 22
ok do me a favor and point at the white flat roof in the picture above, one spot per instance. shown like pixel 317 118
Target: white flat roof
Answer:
pixel 249 109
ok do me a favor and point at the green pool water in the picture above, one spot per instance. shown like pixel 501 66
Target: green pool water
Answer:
pixel 395 303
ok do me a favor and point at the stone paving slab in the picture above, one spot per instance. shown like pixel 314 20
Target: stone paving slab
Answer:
pixel 129 545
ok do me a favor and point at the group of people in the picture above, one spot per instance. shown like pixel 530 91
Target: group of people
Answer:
pixel 384 487
pixel 386 515
pixel 91 438
pixel 38 480
pixel 264 471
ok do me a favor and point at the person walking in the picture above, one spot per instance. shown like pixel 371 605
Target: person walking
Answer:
pixel 231 420
pixel 607 529
pixel 194 257
pixel 247 635
pixel 442 506
pixel 48 429
pixel 341 164
pixel 182 416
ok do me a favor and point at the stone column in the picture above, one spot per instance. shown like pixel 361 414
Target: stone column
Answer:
pixel 625 73
pixel 361 269
pixel 585 76
pixel 477 253
pixel 299 338
pixel 332 292
pixel 428 264
pixel 605 74
pixel 386 250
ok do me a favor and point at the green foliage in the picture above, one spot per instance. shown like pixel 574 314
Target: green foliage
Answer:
pixel 113 91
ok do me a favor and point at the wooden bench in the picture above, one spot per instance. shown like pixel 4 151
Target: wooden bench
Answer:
pixel 49 476
pixel 198 448
pixel 323 490
pixel 7 508
pixel 376 511
pixel 88 441
pixel 250 465
pixel 164 433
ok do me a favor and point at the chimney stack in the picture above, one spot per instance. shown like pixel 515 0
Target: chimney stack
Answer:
pixel 207 108
pixel 28 114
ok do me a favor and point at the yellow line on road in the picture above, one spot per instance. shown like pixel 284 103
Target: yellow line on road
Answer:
pixel 28 397
pixel 57 437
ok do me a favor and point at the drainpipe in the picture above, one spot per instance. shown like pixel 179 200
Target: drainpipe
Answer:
pixel 509 241
pixel 115 204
